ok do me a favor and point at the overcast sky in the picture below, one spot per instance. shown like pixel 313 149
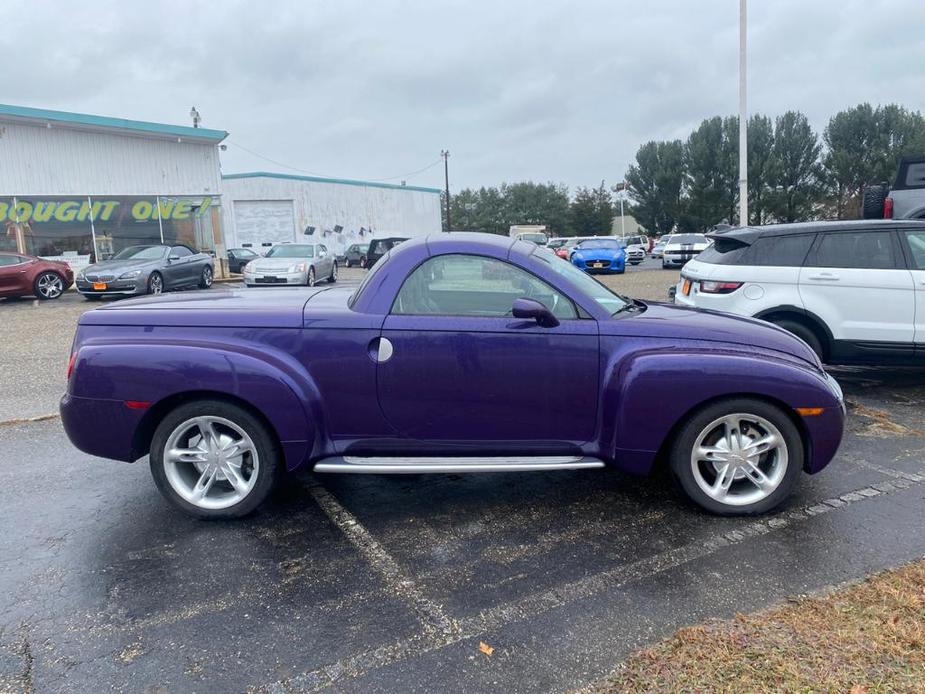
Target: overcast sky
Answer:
pixel 538 90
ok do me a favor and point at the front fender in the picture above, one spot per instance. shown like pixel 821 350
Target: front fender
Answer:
pixel 648 393
pixel 267 378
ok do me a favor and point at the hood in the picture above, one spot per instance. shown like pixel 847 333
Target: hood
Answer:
pixel 114 266
pixel 599 253
pixel 672 322
pixel 258 308
pixel 698 246
pixel 275 264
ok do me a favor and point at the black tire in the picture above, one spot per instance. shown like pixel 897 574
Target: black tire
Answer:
pixel 206 278
pixel 346 262
pixel 153 279
pixel 268 449
pixel 873 201
pixel 686 438
pixel 364 263
pixel 333 278
pixel 48 285
pixel 311 277
pixel 805 333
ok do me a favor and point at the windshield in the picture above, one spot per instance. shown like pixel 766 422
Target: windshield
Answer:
pixel 292 250
pixel 141 253
pixel 590 287
pixel 688 238
pixel 599 243
pixel 245 252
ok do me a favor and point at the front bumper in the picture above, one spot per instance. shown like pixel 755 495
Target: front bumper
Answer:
pixel 114 287
pixel 602 265
pixel 677 260
pixel 270 279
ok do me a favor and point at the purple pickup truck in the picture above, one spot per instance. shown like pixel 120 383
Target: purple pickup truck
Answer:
pixel 458 353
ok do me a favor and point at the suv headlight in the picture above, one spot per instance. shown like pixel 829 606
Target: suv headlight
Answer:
pixel 131 274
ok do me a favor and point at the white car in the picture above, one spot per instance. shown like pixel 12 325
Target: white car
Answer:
pixel 853 291
pixel 635 254
pixel 682 247
pixel 292 263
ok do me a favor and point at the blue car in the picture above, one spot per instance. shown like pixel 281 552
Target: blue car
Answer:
pixel 600 255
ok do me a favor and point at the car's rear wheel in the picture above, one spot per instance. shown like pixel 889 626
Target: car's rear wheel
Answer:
pixel 205 280
pixel 155 283
pixel 214 459
pixel 48 285
pixel 737 457
pixel 804 333
pixel 346 262
pixel 363 262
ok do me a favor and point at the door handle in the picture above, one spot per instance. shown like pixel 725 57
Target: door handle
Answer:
pixel 380 350
pixel 824 277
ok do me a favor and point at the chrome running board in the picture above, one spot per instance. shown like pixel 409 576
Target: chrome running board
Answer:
pixel 405 464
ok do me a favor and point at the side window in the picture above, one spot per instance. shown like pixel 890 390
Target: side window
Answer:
pixel 916 242
pixel 322 249
pixel 9 260
pixel 915 175
pixel 780 251
pixel 863 249
pixel 181 251
pixel 471 285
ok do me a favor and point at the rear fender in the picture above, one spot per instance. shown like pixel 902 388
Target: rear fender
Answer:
pixel 268 379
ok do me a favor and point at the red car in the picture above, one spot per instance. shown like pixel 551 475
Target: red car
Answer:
pixel 26 275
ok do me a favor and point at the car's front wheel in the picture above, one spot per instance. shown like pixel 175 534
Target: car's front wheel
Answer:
pixel 333 277
pixel 738 456
pixel 311 277
pixel 155 283
pixel 205 280
pixel 214 459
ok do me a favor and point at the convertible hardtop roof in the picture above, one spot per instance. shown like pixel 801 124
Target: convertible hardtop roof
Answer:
pixel 750 233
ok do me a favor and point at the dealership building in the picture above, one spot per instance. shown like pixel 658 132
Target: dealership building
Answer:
pixel 81 187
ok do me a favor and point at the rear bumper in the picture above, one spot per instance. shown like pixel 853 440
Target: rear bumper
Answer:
pixel 104 428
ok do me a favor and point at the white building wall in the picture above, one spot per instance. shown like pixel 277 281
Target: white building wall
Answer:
pixel 398 211
pixel 35 160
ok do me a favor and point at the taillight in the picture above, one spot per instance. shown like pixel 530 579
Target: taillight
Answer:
pixel 888 208
pixel 70 365
pixel 711 287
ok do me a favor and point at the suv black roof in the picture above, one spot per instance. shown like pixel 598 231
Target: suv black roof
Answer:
pixel 750 233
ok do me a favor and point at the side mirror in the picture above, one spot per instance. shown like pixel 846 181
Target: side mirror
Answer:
pixel 530 308
pixel 173 257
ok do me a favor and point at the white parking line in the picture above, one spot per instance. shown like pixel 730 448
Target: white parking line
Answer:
pixel 538 603
pixel 431 614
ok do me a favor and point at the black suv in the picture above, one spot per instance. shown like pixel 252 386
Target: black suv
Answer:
pixel 379 247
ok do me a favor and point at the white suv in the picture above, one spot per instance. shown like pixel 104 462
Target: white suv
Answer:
pixel 853 291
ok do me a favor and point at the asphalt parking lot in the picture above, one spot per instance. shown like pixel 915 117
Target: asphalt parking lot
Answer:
pixel 378 583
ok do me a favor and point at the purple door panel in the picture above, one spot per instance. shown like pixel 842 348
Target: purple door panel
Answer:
pixel 464 379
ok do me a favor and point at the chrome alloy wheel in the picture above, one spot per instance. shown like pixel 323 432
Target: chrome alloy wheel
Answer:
pixel 155 284
pixel 206 277
pixel 211 462
pixel 50 285
pixel 739 459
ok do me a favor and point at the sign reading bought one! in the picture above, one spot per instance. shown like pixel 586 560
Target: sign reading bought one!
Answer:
pixel 24 211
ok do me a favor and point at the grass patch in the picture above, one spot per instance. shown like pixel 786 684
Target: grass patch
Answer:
pixel 865 638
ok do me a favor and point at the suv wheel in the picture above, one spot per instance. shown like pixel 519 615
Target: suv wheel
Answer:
pixel 873 201
pixel 737 457
pixel 804 333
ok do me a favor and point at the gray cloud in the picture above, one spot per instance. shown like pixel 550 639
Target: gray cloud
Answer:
pixel 516 90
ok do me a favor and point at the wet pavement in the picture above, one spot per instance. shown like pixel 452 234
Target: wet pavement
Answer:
pixel 377 583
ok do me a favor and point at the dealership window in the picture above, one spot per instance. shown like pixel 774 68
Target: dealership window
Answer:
pixel 189 220
pixel 8 228
pixel 55 227
pixel 123 221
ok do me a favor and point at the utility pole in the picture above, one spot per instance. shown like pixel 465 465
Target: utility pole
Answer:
pixel 743 116
pixel 445 153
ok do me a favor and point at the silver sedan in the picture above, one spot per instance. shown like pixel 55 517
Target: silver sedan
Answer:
pixel 292 264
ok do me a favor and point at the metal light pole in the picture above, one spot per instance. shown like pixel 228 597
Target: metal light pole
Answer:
pixel 743 116
pixel 445 153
